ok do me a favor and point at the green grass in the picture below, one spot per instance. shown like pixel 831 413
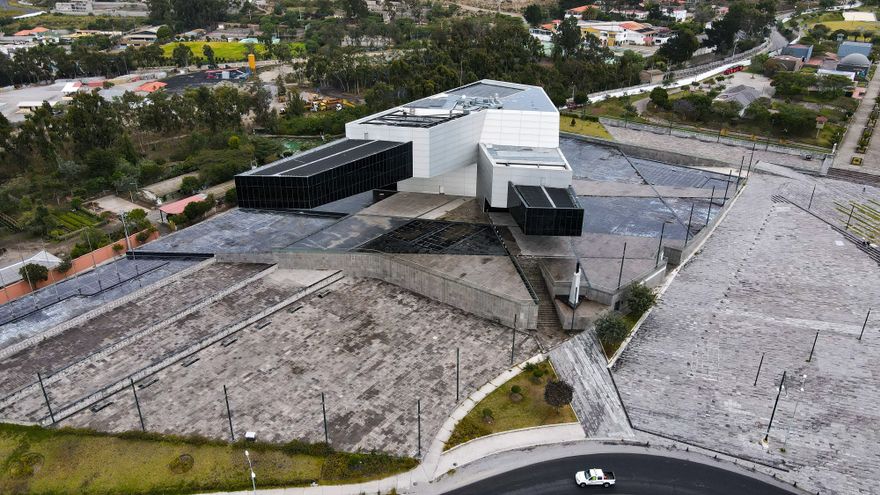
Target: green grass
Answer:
pixel 36 460
pixel 585 127
pixel 852 25
pixel 231 51
pixel 60 21
pixel 508 415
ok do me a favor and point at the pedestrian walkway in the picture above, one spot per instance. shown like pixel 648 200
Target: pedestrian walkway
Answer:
pixel 847 149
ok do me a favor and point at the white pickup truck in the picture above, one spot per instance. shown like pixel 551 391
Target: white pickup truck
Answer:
pixel 593 477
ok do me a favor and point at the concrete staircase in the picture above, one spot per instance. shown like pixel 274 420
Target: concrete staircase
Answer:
pixel 548 320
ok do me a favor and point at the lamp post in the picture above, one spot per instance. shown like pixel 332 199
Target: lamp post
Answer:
pixel 773 414
pixel 253 475
pixel 794 416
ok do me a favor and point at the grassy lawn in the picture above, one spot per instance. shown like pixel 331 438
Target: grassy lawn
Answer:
pixel 507 415
pixel 228 50
pixel 585 127
pixel 852 25
pixel 61 21
pixel 43 461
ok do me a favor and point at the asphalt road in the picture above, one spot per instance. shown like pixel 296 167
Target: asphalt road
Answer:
pixel 636 475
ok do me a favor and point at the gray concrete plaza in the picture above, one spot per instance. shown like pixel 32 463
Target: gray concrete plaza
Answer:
pixel 371 347
pixel 769 278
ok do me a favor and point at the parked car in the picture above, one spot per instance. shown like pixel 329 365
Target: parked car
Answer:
pixel 594 477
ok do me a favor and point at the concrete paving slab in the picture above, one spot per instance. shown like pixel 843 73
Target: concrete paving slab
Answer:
pixel 115 204
pixel 410 204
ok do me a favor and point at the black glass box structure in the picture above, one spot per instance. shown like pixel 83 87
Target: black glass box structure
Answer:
pixel 540 210
pixel 329 173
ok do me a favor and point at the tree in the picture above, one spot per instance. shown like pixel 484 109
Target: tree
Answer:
pixel 34 274
pixel 533 14
pixel 190 185
pixel 639 298
pixel 164 34
pixel 680 48
pixel 208 52
pixel 567 38
pixel 826 4
pixel 181 54
pixel 91 123
pixel 279 85
pixel 726 110
pixel 792 83
pixel 65 265
pixel 832 86
pixel 611 329
pixel 660 97
pixel 558 393
pixel 355 9
pixel 792 120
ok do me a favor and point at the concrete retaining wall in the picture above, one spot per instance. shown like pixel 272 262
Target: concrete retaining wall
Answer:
pixel 428 282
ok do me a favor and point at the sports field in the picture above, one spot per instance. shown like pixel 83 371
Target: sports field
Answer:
pixel 231 51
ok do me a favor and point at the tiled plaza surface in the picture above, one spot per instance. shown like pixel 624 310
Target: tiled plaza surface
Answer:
pixel 372 348
pixel 73 296
pixel 78 342
pixel 768 279
pixel 105 366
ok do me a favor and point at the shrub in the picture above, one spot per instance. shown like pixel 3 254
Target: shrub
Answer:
pixel 487 413
pixel 295 447
pixel 33 274
pixel 234 142
pixel 639 298
pixel 516 389
pixel 142 236
pixel 117 248
pixel 558 393
pixel 65 264
pixel 611 329
pixel 190 185
pixel 230 197
pixel 466 430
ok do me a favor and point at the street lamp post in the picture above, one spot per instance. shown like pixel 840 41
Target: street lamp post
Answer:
pixel 775 404
pixel 794 416
pixel 253 475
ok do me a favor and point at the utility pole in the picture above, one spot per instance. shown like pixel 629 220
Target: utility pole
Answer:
pixel 760 363
pixel 811 197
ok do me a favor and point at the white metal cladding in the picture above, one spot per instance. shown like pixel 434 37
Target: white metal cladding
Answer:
pixel 446 149
pixel 493 177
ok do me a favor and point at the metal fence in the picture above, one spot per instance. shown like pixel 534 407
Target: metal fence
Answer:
pixel 717 137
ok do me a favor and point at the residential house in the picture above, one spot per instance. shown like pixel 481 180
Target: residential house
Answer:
pixel 803 52
pixel 789 62
pixel 849 47
pixel 741 94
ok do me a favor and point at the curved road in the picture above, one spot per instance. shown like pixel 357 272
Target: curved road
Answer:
pixel 637 474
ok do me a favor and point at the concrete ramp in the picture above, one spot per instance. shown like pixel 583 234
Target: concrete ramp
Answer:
pixel 580 362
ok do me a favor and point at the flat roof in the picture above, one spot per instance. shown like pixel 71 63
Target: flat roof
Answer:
pixel 457 102
pixel 506 155
pixel 323 158
pixel 546 197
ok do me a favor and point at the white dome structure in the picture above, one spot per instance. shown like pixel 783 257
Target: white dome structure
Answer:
pixel 855 60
